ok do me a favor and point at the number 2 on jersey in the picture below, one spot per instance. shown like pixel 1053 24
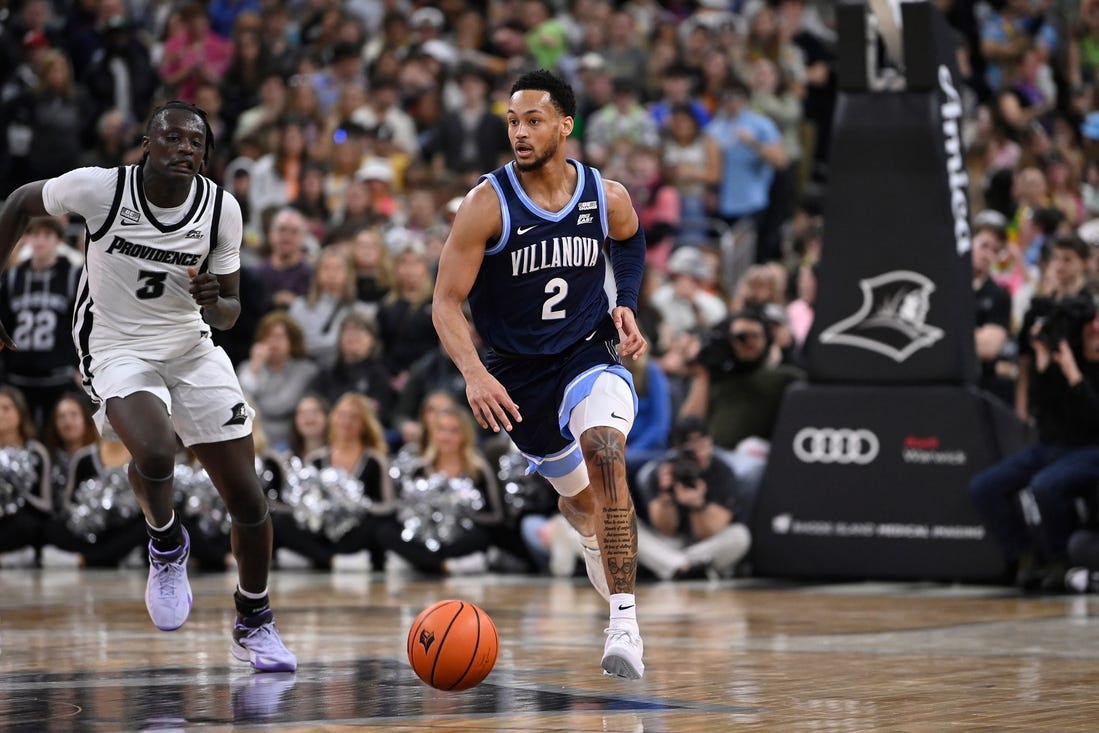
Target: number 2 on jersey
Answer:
pixel 153 284
pixel 557 289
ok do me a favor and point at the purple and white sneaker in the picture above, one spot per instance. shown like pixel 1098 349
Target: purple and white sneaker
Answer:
pixel 167 592
pixel 256 641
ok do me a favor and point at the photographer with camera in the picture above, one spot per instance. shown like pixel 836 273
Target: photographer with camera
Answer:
pixel 1063 464
pixel 692 500
pixel 1064 278
pixel 733 387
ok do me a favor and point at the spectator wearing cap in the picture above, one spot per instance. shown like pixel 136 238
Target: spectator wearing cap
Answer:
pixel 751 147
pixel 382 108
pixel 470 139
pixel 683 302
pixel 194 53
pixel 734 387
pixel 594 90
pixel 694 514
pixel 993 314
pixel 377 174
pixel 619 126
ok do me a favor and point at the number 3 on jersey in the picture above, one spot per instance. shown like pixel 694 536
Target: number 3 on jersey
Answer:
pixel 152 284
pixel 557 289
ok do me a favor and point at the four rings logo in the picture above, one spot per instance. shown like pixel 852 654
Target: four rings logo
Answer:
pixel 836 445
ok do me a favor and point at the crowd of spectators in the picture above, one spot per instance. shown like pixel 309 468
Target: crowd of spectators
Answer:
pixel 349 131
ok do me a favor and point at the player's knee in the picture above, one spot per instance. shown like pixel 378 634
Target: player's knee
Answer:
pixel 249 511
pixel 155 464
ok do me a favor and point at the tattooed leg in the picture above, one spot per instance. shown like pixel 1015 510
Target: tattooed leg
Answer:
pixel 613 518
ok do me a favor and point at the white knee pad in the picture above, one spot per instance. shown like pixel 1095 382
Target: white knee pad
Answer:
pixel 609 404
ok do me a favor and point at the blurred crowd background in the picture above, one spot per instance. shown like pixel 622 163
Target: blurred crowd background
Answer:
pixel 349 132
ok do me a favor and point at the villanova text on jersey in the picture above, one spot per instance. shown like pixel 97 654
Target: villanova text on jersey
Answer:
pixel 540 289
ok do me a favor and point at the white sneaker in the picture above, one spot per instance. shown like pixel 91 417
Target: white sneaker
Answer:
pixel 622 654
pixel 167 592
pixel 597 574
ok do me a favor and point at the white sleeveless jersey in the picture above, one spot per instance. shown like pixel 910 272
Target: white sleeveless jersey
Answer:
pixel 134 293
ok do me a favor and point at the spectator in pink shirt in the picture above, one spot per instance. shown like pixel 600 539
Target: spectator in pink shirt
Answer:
pixel 194 53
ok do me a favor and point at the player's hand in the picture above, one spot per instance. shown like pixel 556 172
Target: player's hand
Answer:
pixel 491 404
pixel 205 287
pixel 5 339
pixel 631 342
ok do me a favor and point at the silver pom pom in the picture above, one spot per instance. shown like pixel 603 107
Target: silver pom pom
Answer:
pixel 17 478
pixel 101 504
pixel 437 510
pixel 327 500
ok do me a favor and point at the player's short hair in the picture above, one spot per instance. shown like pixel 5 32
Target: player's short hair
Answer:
pixel 560 92
pixel 158 113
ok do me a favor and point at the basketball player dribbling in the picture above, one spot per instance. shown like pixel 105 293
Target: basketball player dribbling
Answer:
pixel 162 268
pixel 526 249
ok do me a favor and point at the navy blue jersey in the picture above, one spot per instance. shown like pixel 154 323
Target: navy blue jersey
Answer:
pixel 540 288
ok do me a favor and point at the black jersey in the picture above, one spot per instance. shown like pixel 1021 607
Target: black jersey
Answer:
pixel 37 308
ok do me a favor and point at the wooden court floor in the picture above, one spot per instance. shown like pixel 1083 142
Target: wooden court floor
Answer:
pixel 77 653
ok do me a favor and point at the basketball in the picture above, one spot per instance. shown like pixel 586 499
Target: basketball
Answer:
pixel 452 645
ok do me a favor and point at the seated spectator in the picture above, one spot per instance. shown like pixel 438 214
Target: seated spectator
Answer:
pixel 1063 465
pixel 277 374
pixel 286 272
pixel 404 316
pixel 310 427
pixel 102 533
pixel 322 310
pixel 693 508
pixel 356 446
pixel 70 428
pixel 26 509
pixel 358 367
pixel 373 270
pixel 450 460
pixel 734 387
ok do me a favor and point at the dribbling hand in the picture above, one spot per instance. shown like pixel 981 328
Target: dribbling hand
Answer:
pixel 205 287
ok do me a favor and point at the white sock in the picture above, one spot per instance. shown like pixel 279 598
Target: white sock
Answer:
pixel 623 611
pixel 165 527
pixel 250 594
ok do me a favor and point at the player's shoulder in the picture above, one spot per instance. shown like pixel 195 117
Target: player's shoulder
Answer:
pixel 87 179
pixel 480 202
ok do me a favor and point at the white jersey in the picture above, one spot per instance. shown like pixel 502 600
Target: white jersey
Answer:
pixel 134 293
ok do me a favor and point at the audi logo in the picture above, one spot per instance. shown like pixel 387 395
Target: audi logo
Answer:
pixel 836 445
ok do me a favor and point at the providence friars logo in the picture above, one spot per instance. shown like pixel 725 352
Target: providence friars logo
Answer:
pixel 891 318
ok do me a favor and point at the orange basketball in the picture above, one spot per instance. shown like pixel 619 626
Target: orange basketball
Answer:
pixel 452 645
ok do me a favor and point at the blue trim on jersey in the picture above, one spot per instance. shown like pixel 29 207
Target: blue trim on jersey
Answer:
pixel 601 196
pixel 535 208
pixel 505 215
pixel 580 387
